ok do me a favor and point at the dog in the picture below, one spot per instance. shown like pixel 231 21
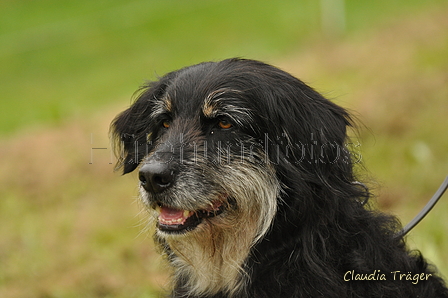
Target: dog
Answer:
pixel 250 185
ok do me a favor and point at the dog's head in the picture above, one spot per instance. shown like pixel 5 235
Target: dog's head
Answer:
pixel 220 147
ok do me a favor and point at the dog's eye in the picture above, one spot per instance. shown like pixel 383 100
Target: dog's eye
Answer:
pixel 224 124
pixel 166 123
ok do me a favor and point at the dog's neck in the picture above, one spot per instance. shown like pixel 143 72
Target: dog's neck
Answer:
pixel 209 265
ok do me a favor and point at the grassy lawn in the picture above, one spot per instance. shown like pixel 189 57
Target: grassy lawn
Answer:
pixel 70 227
pixel 60 59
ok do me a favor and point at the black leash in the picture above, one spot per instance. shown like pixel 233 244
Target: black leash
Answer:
pixel 435 198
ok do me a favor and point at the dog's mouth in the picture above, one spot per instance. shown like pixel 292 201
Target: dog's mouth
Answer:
pixel 176 221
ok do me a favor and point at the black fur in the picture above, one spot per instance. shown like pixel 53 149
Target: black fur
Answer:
pixel 321 231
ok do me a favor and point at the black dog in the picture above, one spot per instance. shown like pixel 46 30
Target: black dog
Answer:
pixel 249 182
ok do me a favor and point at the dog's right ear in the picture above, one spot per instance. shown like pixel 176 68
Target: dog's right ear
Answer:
pixel 130 129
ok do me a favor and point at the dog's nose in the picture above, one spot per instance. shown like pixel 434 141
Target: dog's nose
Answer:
pixel 156 176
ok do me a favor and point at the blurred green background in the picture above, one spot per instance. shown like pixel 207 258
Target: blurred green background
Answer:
pixel 70 227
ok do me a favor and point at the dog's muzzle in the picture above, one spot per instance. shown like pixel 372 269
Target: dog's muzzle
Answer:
pixel 156 178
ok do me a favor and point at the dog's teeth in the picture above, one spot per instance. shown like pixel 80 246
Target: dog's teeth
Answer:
pixel 174 221
pixel 158 209
pixel 186 214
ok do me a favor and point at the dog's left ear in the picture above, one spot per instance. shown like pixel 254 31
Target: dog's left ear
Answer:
pixel 314 127
pixel 129 130
pixel 312 133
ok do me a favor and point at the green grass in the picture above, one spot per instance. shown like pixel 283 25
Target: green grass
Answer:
pixel 60 59
pixel 69 228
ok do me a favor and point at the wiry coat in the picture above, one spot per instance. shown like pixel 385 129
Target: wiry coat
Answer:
pixel 270 156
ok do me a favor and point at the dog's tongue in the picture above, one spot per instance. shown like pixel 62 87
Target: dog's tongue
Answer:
pixel 169 216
